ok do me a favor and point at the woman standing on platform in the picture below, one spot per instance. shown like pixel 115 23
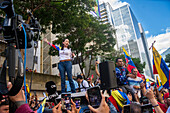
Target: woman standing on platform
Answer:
pixel 65 64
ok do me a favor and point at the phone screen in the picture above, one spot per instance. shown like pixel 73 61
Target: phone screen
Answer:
pixel 66 101
pixel 94 96
pixel 77 102
pixel 126 109
pixel 147 108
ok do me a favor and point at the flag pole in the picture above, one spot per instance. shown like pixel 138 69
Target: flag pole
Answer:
pixel 152 45
pixel 143 38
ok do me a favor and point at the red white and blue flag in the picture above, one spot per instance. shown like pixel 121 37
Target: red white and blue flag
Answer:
pixel 130 63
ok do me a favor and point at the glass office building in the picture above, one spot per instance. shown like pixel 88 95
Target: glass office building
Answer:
pixel 128 34
pixel 107 17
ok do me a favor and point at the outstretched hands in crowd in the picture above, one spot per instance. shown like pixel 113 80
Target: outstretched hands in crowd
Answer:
pixel 103 108
pixel 150 95
pixel 57 108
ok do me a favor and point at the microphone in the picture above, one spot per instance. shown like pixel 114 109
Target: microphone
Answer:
pixel 51 90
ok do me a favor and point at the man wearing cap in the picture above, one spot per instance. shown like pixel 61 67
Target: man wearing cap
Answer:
pixel 166 104
pixel 89 80
pixel 83 84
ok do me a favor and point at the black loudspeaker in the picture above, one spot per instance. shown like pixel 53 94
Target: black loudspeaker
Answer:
pixel 108 75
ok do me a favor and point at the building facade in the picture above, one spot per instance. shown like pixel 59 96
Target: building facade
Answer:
pixel 128 34
pixel 105 12
pixel 33 56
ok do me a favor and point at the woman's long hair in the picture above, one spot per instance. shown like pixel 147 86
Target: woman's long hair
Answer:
pixel 62 47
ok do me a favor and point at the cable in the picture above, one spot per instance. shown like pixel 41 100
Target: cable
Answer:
pixel 25 62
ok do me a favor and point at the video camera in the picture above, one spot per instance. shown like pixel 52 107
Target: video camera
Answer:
pixel 16 33
pixel 14 28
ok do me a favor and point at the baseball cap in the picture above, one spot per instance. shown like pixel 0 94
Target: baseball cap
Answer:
pixel 88 78
pixel 79 77
pixel 166 95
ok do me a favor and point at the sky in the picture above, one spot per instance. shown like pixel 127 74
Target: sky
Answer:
pixel 154 15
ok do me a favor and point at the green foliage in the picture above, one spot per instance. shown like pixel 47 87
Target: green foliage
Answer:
pixel 140 66
pixel 87 36
pixel 167 59
pixel 70 19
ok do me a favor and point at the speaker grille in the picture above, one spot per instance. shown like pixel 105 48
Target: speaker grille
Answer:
pixel 108 75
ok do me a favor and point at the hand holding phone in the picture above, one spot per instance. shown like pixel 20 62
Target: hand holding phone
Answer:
pixel 77 102
pixel 126 108
pixel 94 96
pixel 103 108
pixel 66 101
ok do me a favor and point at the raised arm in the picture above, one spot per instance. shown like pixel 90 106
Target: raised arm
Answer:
pixel 96 68
pixel 153 101
pixel 54 46
pixel 158 94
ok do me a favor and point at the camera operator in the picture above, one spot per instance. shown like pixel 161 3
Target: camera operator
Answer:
pixel 19 100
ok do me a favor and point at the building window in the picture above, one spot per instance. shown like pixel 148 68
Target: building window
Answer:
pixel 35 59
pixel 54 65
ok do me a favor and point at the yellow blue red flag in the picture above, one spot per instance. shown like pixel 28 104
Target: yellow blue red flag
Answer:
pixel 160 67
pixel 130 63
pixel 118 99
pixel 158 83
pixel 42 106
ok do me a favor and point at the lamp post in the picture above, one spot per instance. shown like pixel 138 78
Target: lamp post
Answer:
pixel 145 48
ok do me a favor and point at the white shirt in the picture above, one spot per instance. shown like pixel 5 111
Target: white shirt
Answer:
pixel 85 84
pixel 168 111
pixel 135 82
pixel 91 85
pixel 65 54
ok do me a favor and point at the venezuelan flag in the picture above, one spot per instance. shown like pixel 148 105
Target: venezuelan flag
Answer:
pixel 129 61
pixel 54 46
pixel 160 67
pixel 42 106
pixel 118 99
pixel 158 83
pixel 96 9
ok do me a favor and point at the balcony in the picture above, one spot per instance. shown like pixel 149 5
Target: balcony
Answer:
pixel 104 13
pixel 102 10
pixel 104 16
pixel 104 20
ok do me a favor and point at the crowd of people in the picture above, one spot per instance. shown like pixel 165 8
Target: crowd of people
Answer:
pixel 130 84
pixel 130 95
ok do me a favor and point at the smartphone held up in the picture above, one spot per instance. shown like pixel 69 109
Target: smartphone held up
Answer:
pixel 94 96
pixel 66 101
